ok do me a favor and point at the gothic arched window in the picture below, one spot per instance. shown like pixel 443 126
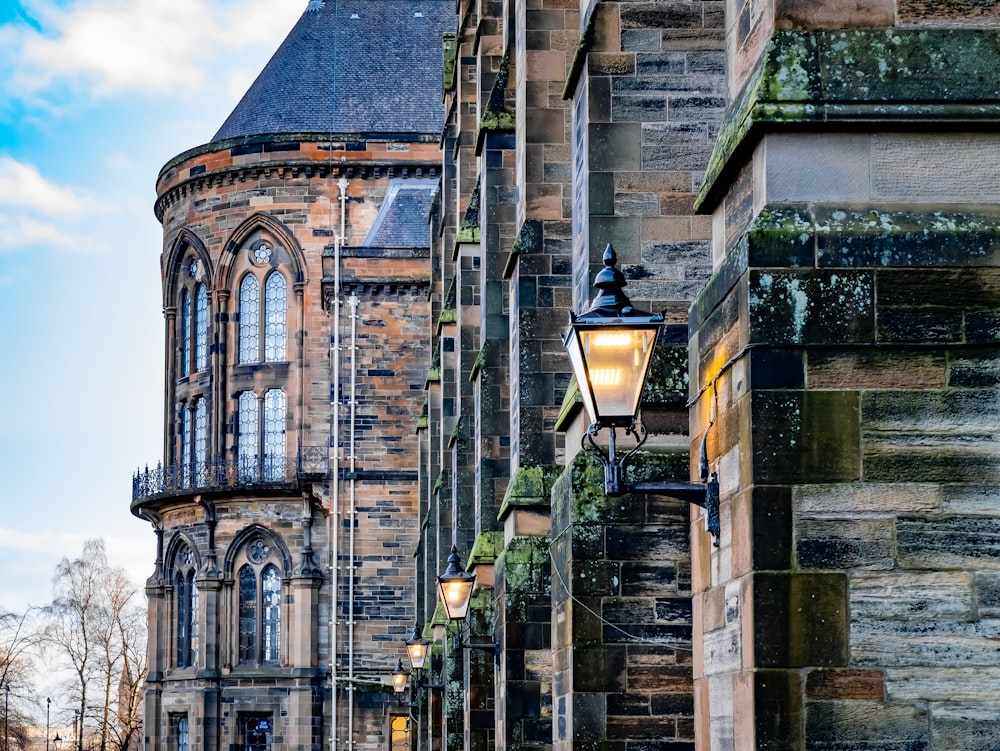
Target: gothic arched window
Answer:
pixel 186 608
pixel 259 608
pixel 183 335
pixel 200 440
pixel 249 334
pixel 185 462
pixel 247 435
pixel 200 327
pixel 275 328
pixel 272 320
pixel 275 406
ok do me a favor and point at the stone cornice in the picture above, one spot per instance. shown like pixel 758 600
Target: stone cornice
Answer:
pixel 859 79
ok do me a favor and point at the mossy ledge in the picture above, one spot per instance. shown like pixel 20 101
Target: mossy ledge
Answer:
pixel 885 78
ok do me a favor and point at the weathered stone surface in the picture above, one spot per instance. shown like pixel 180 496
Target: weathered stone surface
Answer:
pixel 777 709
pixel 970 728
pixel 878 369
pixel 925 643
pixel 787 306
pixel 926 595
pixel 949 542
pixel 825 167
pixel 845 683
pixel 837 500
pixel 865 726
pixel 800 436
pixel 787 608
pixel 944 684
pixel 844 543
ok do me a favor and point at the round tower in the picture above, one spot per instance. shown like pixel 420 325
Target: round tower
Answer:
pixel 295 268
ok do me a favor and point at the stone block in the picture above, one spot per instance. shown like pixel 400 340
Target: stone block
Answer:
pixel 925 643
pixel 942 543
pixel 777 369
pixel 614 146
pixel 799 436
pixel 974 369
pixel 879 369
pixel 844 543
pixel 845 683
pixel 969 727
pixel 790 306
pixel 833 14
pixel 777 709
pixel 828 167
pixel 772 527
pixel 673 146
pixel 943 684
pixel 930 595
pixel 988 593
pixel 937 168
pixel 852 726
pixel 799 620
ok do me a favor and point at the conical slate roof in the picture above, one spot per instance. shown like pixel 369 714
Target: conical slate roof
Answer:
pixel 352 67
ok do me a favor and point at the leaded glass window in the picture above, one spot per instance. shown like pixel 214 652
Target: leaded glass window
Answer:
pixel 256 733
pixel 185 462
pixel 248 615
pixel 181 586
pixel 184 326
pixel 249 331
pixel 275 327
pixel 271 586
pixel 195 641
pixel 186 608
pixel 200 439
pixel 247 436
pixel 274 434
pixel 181 729
pixel 200 327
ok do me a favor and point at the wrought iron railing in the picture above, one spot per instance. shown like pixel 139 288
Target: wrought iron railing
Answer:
pixel 220 473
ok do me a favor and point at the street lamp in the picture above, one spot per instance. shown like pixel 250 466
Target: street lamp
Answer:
pixel 455 587
pixel 610 349
pixel 79 729
pixel 57 741
pixel 48 708
pixel 416 648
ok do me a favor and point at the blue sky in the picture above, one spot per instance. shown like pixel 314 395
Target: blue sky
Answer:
pixel 95 96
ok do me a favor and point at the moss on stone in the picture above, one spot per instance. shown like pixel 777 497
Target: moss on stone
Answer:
pixel 667 382
pixel 525 564
pixel 859 75
pixel 449 51
pixel 484 550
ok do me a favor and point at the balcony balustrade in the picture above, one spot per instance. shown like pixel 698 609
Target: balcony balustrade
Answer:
pixel 311 463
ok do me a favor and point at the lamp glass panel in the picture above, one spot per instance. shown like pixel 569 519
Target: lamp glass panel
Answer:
pixel 418 653
pixel 455 594
pixel 399 681
pixel 580 372
pixel 617 358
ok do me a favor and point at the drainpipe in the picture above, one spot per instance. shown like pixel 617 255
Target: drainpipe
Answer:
pixel 353 302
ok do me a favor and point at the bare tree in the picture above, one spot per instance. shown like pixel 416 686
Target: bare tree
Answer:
pixel 17 638
pixel 94 622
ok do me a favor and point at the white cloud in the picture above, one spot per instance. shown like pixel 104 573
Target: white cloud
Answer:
pixel 157 46
pixel 36 212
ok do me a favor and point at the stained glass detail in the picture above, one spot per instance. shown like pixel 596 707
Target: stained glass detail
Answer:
pixel 256 733
pixel 274 434
pixel 247 436
pixel 200 439
pixel 200 327
pixel 183 335
pixel 185 461
pixel 193 269
pixel 275 326
pixel 261 254
pixel 249 331
pixel 271 586
pixel 258 551
pixel 248 615
pixel 186 556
